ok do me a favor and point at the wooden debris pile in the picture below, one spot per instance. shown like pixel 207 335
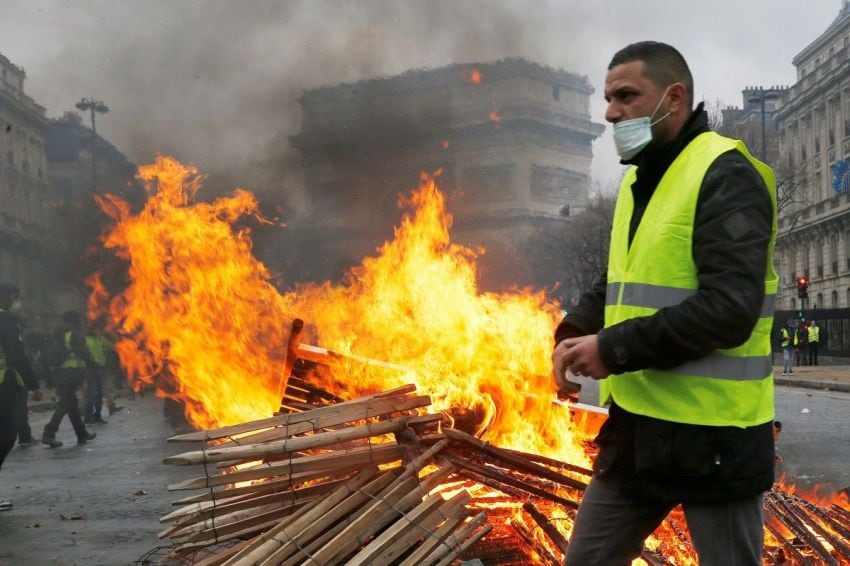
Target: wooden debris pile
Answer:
pixel 377 480
pixel 804 532
pixel 347 483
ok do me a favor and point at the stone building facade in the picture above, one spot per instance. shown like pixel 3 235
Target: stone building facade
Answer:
pixel 814 163
pixel 512 140
pixel 47 215
pixel 28 234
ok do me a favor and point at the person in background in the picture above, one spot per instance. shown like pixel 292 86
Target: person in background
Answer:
pixel 678 329
pixel 814 342
pixel 100 385
pixel 788 341
pixel 16 374
pixel 802 348
pixel 72 365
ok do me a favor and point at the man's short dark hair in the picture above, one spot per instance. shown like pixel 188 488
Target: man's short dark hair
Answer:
pixel 663 64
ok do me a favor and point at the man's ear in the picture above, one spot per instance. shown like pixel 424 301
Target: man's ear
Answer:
pixel 678 98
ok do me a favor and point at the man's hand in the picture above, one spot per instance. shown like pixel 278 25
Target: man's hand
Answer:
pixel 581 356
pixel 559 367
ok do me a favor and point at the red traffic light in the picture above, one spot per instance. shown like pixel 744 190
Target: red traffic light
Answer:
pixel 803 287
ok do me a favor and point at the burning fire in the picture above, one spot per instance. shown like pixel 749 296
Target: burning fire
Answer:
pixel 201 320
pixel 474 76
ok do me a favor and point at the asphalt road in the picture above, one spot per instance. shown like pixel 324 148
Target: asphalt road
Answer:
pixel 815 439
pixel 95 504
pixel 100 504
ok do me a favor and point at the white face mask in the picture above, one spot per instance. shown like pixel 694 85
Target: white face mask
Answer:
pixel 631 136
pixel 16 306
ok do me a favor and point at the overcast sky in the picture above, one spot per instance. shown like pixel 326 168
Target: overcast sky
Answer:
pixel 215 82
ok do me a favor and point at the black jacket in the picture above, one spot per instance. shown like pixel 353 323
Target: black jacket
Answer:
pixel 13 349
pixel 732 229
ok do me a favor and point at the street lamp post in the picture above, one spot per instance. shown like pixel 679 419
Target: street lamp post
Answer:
pixel 94 106
pixel 761 95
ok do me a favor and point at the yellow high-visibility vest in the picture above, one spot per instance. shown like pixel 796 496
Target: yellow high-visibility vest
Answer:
pixel 786 338
pixel 72 361
pixel 814 334
pixel 98 347
pixel 728 387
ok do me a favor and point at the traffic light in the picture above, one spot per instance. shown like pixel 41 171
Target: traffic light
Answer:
pixel 803 287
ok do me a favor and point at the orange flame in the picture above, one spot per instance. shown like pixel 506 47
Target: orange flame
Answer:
pixel 202 320
pixel 474 76
pixel 495 116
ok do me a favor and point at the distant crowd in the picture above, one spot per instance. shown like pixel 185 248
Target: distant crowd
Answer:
pixel 800 342
pixel 74 358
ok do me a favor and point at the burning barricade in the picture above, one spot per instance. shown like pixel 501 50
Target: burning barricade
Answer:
pixel 355 466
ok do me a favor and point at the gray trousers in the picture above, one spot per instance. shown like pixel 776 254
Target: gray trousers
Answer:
pixel 610 529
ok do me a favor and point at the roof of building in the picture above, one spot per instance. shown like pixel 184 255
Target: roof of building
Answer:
pixel 452 75
pixel 841 21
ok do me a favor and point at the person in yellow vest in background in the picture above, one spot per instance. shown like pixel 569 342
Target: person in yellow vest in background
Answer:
pixel 789 340
pixel 100 385
pixel 16 374
pixel 71 364
pixel 814 343
pixel 678 329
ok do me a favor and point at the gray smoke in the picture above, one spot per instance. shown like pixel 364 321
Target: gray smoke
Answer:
pixel 216 82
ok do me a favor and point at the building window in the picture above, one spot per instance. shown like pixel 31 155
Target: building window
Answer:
pixel 834 303
pixel 807 257
pixel 792 263
pixel 833 253
pixel 831 113
pixel 819 300
pixel 819 257
pixel 847 250
pixel 817 133
pixel 848 296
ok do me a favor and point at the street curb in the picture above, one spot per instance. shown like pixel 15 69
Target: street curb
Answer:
pixel 813 384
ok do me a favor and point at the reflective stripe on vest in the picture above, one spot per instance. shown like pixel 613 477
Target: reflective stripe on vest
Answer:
pixel 659 296
pixel 72 361
pixel 728 387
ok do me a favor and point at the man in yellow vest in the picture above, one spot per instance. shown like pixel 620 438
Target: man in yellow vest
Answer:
pixel 678 329
pixel 789 341
pixel 100 387
pixel 69 371
pixel 814 343
pixel 16 374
